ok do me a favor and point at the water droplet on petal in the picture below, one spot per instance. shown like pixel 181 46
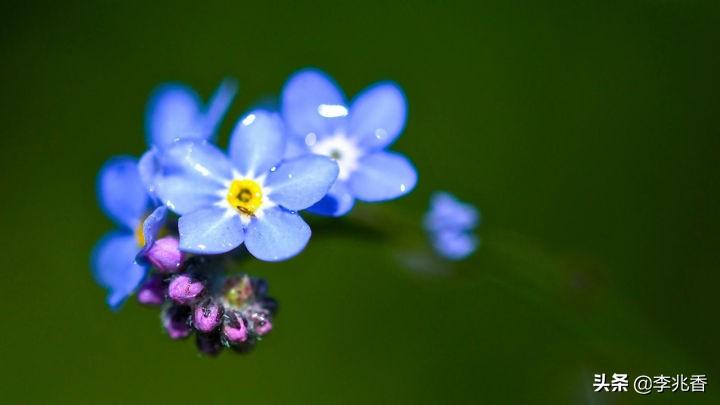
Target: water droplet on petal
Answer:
pixel 310 139
pixel 332 110
pixel 248 120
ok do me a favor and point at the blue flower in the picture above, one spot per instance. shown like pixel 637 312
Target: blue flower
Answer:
pixel 450 224
pixel 319 120
pixel 176 112
pixel 124 199
pixel 250 197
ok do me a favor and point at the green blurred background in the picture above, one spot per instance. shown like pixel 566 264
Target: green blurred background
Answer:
pixel 585 131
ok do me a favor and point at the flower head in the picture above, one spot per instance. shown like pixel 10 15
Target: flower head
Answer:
pixel 450 223
pixel 222 310
pixel 252 197
pixel 123 198
pixel 320 121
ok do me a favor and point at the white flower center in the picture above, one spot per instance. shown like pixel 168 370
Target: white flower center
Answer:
pixel 340 148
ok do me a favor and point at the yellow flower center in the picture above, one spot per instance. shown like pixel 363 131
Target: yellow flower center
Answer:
pixel 245 196
pixel 140 235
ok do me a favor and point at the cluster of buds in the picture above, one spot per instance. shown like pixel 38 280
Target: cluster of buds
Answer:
pixel 197 297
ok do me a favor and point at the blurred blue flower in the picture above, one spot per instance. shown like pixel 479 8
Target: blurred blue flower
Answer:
pixel 319 120
pixel 176 112
pixel 450 224
pixel 124 199
pixel 249 197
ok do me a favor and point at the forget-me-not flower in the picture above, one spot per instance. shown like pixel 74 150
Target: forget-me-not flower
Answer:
pixel 176 112
pixel 125 200
pixel 250 197
pixel 450 224
pixel 320 121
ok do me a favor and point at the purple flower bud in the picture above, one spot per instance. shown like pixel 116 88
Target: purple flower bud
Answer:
pixel 234 329
pixel 165 255
pixel 261 323
pixel 264 328
pixel 176 321
pixel 270 305
pixel 184 289
pixel 207 315
pixel 209 343
pixel 152 292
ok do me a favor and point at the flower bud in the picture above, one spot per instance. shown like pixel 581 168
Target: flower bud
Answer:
pixel 152 292
pixel 209 343
pixel 234 328
pixel 185 289
pixel 261 323
pixel 207 315
pixel 176 321
pixel 270 305
pixel 165 255
pixel 238 290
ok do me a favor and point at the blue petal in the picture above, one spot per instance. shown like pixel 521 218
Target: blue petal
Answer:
pixel 377 115
pixel 210 231
pixel 187 193
pixel 257 142
pixel 149 169
pixel 448 213
pixel 277 235
pixel 114 266
pixel 198 159
pixel 173 112
pixel 313 103
pixel 152 226
pixel 218 105
pixel 382 176
pixel 194 176
pixel 121 193
pixel 454 245
pixel 338 201
pixel 301 182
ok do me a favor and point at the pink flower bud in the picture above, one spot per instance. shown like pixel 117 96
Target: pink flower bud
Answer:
pixel 209 344
pixel 165 255
pixel 261 323
pixel 207 315
pixel 234 329
pixel 176 321
pixel 184 289
pixel 152 292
